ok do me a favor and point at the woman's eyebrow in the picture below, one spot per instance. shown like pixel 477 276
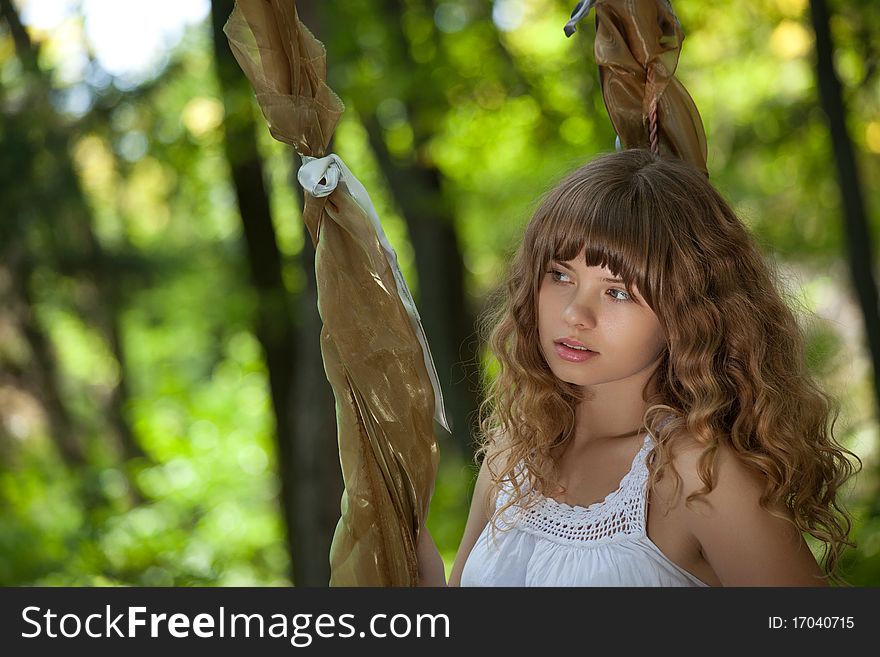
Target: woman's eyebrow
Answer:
pixel 612 280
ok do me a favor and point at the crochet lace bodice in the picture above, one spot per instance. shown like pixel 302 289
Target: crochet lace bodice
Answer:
pixel 543 542
pixel 614 518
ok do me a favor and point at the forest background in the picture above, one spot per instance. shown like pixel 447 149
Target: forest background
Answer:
pixel 164 415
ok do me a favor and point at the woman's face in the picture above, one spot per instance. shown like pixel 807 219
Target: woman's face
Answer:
pixel 586 307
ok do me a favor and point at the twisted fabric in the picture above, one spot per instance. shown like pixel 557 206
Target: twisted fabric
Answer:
pixel 637 46
pixel 319 177
pixel 375 355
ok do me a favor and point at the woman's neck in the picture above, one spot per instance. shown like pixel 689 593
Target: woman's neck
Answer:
pixel 613 410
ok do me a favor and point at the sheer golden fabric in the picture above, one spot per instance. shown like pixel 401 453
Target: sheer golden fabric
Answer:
pixel 385 397
pixel 638 43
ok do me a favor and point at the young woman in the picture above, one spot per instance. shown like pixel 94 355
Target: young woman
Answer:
pixel 652 422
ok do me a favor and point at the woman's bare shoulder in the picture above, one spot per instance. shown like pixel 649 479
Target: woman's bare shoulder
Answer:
pixel 734 483
pixel 744 542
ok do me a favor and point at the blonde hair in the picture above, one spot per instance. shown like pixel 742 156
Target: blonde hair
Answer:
pixel 734 369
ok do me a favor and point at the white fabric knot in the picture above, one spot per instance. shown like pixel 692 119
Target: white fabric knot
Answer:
pixel 319 176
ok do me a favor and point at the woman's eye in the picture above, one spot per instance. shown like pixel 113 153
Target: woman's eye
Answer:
pixel 561 277
pixel 558 276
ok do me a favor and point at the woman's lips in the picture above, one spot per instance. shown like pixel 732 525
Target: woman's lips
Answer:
pixel 573 355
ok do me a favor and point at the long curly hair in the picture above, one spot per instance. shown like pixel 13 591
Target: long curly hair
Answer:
pixel 734 369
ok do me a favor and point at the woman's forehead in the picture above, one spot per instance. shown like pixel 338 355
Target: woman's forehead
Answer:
pixel 580 258
pixel 581 261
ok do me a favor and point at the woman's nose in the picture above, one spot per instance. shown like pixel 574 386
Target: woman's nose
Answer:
pixel 580 311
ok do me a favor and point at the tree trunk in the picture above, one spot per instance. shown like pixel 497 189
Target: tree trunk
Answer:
pixel 42 370
pixel 318 472
pixel 305 418
pixel 858 234
pixel 315 407
pixel 74 221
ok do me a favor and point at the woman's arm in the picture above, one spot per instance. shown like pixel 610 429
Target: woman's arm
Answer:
pixel 478 518
pixel 431 569
pixel 432 572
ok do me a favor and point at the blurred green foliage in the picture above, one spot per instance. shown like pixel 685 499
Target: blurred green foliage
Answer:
pixel 503 104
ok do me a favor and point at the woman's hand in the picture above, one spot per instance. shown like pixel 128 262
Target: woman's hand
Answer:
pixel 432 572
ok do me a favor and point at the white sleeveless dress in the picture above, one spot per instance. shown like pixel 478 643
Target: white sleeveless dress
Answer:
pixel 555 544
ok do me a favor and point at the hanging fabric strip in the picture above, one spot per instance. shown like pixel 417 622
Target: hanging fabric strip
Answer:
pixel 637 48
pixel 374 350
pixel 319 177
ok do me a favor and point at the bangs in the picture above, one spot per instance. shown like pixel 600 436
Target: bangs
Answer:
pixel 611 224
